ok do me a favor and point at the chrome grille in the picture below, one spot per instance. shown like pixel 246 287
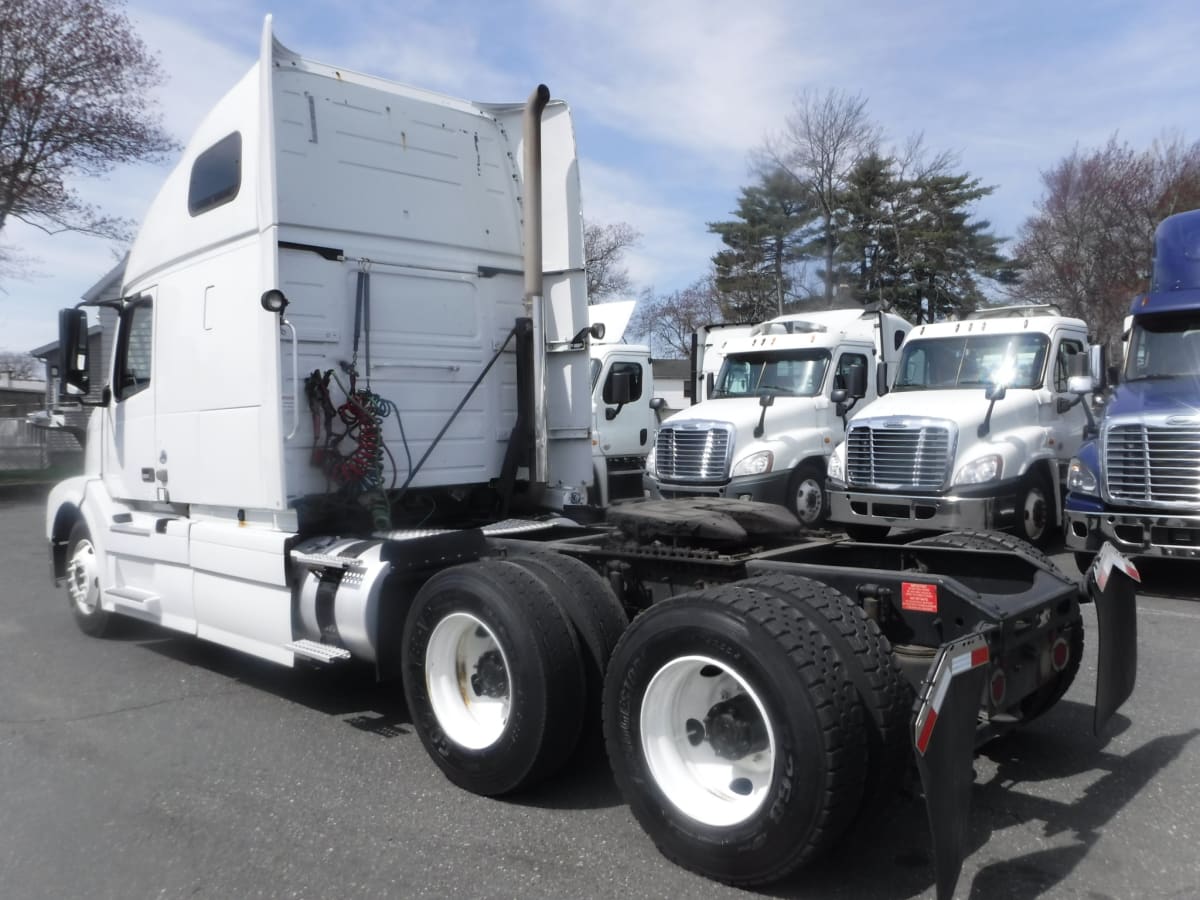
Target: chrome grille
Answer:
pixel 695 452
pixel 1153 464
pixel 912 456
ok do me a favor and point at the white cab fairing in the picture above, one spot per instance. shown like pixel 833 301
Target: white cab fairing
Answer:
pixel 302 178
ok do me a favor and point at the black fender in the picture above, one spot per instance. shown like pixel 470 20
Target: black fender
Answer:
pixel 944 730
pixel 1111 583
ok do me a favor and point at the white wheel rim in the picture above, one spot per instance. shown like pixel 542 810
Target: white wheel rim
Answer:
pixel 1033 499
pixel 711 788
pixel 469 681
pixel 83 585
pixel 809 501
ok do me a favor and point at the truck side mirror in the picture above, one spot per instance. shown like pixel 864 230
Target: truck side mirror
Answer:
pixel 73 345
pixel 618 388
pixel 881 378
pixel 996 392
pixel 1080 384
pixel 858 382
pixel 709 381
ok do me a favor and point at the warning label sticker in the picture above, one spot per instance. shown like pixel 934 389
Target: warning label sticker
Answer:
pixel 918 597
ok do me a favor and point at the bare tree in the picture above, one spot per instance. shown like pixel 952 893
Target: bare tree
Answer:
pixel 20 365
pixel 75 100
pixel 604 248
pixel 669 320
pixel 1087 248
pixel 823 139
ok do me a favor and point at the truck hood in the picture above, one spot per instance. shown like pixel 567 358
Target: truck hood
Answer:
pixel 1167 396
pixel 966 407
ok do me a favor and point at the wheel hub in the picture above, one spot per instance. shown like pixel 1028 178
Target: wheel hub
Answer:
pixel 490 678
pixel 735 729
pixel 707 741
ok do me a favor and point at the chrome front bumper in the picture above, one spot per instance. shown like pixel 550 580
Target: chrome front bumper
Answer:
pixel 938 513
pixel 1135 533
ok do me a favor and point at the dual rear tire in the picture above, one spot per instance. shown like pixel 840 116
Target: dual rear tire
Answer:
pixel 503 663
pixel 743 723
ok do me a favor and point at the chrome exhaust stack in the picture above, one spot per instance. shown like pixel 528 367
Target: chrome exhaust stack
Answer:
pixel 534 305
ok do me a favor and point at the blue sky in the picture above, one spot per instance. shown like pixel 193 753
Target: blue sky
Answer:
pixel 671 95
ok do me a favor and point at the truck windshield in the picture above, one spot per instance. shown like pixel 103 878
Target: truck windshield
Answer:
pixel 1165 345
pixel 796 373
pixel 972 361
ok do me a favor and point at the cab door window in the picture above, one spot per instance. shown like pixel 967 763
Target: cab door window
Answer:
pixel 134 350
pixel 635 380
pixel 848 364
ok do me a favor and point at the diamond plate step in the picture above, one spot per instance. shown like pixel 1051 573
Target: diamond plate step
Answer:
pixel 328 561
pixel 324 653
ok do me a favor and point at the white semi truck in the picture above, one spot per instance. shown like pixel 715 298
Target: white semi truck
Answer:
pixel 976 433
pixel 776 408
pixel 347 417
pixel 623 430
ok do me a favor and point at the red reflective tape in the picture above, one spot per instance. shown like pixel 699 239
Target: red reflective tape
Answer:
pixel 926 732
pixel 979 657
pixel 918 597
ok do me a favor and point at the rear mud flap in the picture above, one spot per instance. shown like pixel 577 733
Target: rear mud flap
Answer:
pixel 1112 584
pixel 944 739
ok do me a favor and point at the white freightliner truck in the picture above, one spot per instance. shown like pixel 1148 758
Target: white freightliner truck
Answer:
pixel 776 408
pixel 335 429
pixel 708 352
pixel 622 430
pixel 976 433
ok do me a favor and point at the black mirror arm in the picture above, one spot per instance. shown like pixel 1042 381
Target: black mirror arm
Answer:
pixel 761 426
pixel 986 425
pixel 611 413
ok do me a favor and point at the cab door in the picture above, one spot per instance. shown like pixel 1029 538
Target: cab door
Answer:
pixel 630 430
pixel 1063 415
pixel 131 469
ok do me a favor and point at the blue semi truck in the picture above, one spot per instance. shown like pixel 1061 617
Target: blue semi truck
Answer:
pixel 1136 482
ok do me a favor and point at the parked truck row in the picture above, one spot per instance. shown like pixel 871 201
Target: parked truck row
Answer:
pixel 349 415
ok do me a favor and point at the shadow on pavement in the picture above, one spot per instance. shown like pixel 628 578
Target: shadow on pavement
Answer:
pixel 890 857
pixel 347 690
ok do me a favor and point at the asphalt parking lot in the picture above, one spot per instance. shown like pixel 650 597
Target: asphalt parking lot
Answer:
pixel 153 765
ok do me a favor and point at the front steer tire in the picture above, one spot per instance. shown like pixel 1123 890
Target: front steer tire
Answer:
pixel 493 676
pixel 734 733
pixel 83 583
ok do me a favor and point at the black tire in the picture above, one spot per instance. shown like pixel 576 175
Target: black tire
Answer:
pixel 992 540
pixel 807 496
pixel 1041 700
pixel 537 672
pixel 868 533
pixel 83 583
pixel 1084 560
pixel 885 694
pixel 809 789
pixel 593 609
pixel 1035 511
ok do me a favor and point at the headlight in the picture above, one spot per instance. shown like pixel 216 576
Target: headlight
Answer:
pixel 755 463
pixel 1080 478
pixel 835 469
pixel 981 471
pixel 650 470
